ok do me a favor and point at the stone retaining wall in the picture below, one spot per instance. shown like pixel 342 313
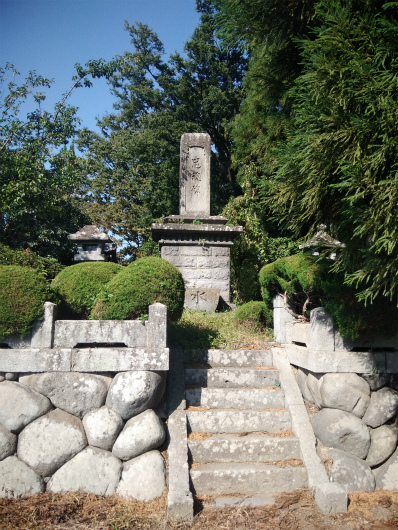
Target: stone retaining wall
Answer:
pixel 355 394
pixel 63 429
pixel 356 426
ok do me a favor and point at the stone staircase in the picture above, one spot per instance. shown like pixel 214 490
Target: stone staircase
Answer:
pixel 241 447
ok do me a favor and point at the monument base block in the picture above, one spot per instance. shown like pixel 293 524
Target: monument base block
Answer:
pixel 202 299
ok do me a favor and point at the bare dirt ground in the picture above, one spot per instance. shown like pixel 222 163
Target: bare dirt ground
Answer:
pixel 292 511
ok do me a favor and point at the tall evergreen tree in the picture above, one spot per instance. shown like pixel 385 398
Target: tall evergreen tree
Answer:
pixel 133 166
pixel 316 134
pixel 339 163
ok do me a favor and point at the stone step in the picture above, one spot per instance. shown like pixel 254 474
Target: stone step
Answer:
pixel 231 377
pixel 248 448
pixel 240 398
pixel 238 420
pixel 233 358
pixel 252 501
pixel 246 479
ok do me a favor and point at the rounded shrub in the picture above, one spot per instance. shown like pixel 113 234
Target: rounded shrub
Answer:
pixel 310 282
pixel 48 267
pixel 255 315
pixel 142 283
pixel 77 287
pixel 22 295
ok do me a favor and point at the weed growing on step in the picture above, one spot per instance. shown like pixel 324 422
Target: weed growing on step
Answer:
pixel 201 330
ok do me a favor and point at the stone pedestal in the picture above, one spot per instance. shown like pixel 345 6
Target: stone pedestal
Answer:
pixel 197 243
pixel 201 252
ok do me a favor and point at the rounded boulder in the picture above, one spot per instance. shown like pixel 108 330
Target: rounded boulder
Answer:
pixel 342 430
pixel 133 392
pixel 17 479
pixel 102 427
pixel 344 391
pixel 382 445
pixel 72 392
pixel 140 435
pixel 351 472
pixel 143 478
pixel 20 405
pixel 93 471
pixel 382 407
pixel 48 442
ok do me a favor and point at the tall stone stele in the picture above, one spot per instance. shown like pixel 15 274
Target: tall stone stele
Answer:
pixel 196 242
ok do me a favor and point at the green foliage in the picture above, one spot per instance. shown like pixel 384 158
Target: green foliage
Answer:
pixel 259 243
pixel 133 165
pixel 338 164
pixel 255 315
pixel 142 283
pixel 309 282
pixel 318 130
pixel 293 275
pixel 76 287
pixel 39 180
pixel 22 295
pixel 47 267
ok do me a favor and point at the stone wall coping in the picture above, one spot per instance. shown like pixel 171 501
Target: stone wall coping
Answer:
pixel 211 219
pixel 147 337
pixel 330 497
pixel 161 228
pixel 37 360
pixel 207 242
pixel 322 361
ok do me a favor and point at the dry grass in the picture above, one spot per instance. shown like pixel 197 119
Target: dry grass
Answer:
pixel 291 511
pixel 200 330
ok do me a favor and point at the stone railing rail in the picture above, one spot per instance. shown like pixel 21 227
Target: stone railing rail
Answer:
pixel 89 345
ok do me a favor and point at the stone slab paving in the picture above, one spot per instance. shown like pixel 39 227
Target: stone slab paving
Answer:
pixel 231 377
pixel 246 478
pixel 248 448
pixel 253 398
pixel 234 358
pixel 232 405
pixel 237 420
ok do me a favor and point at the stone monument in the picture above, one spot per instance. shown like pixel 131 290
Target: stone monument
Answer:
pixel 197 243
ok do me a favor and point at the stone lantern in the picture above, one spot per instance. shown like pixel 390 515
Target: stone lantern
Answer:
pixel 93 245
pixel 322 242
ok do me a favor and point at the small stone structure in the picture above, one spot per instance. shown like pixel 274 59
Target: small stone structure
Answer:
pixel 194 241
pixel 80 407
pixel 93 245
pixel 322 242
pixel 354 384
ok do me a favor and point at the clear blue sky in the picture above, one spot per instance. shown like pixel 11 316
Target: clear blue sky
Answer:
pixel 50 36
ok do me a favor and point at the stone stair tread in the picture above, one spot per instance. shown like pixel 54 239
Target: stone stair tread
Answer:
pixel 234 358
pixel 231 377
pixel 252 501
pixel 246 478
pixel 240 398
pixel 248 448
pixel 238 420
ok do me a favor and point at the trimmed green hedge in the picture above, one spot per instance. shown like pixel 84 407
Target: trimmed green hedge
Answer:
pixel 22 295
pixel 48 267
pixel 77 287
pixel 303 275
pixel 254 314
pixel 142 283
